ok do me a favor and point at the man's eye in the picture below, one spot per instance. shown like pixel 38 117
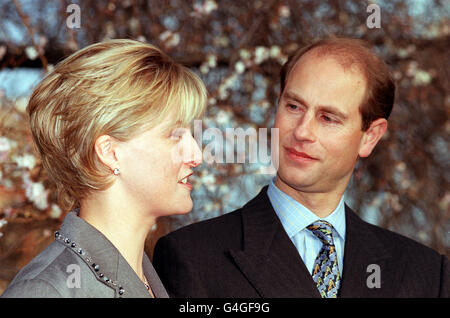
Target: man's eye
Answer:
pixel 328 119
pixel 292 106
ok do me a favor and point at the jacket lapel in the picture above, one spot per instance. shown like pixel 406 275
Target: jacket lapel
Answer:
pixel 153 279
pixel 362 249
pixel 269 259
pixel 106 263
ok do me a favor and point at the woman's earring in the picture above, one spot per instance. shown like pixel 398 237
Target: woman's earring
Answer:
pixel 116 171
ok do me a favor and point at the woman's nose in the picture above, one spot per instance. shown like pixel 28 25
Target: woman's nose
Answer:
pixel 197 154
pixel 193 155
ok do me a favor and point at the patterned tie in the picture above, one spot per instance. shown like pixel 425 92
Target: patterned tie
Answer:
pixel 326 271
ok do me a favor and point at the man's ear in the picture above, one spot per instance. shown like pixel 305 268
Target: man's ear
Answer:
pixel 371 137
pixel 105 150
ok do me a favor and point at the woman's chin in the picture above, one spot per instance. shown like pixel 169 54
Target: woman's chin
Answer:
pixel 185 209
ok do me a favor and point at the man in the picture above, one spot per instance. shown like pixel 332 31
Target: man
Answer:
pixel 297 238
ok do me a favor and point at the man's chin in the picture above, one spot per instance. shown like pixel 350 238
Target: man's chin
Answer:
pixel 295 184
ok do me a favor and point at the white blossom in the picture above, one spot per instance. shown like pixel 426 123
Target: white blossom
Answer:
pixel 26 161
pixel 222 41
pixel 284 11
pixel 35 192
pixel 134 24
pixel 6 146
pixel 225 85
pixel 110 32
pixel 21 104
pixel 141 38
pixel 245 54
pixel 211 60
pixel 208 179
pixel 50 68
pixel 239 67
pixel 275 51
pixel 204 68
pixel 55 211
pixel 212 101
pixel 31 52
pixel 421 78
pixel 223 117
pixel 169 38
pixel 111 6
pixel 412 68
pixel 261 54
pixel 205 8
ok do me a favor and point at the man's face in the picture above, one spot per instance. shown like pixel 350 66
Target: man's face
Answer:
pixel 319 126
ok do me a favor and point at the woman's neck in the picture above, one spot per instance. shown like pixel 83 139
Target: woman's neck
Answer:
pixel 120 223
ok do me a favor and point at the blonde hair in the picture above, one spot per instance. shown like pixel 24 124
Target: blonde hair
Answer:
pixel 117 88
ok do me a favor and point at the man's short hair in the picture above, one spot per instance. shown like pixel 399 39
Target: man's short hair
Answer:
pixel 380 87
pixel 118 88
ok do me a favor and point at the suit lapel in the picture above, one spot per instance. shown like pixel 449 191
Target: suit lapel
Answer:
pixel 362 249
pixel 269 259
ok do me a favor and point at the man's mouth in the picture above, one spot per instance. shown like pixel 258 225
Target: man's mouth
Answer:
pixel 298 155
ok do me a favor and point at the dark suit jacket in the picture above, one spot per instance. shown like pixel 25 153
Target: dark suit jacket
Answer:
pixel 102 270
pixel 247 253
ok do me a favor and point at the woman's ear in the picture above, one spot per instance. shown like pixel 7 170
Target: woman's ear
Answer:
pixel 105 149
pixel 371 137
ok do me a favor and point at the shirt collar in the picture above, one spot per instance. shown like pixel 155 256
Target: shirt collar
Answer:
pixel 295 217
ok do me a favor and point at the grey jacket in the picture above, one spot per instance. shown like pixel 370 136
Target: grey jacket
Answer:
pixel 82 262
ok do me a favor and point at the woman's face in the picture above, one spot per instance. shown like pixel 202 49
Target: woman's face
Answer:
pixel 154 167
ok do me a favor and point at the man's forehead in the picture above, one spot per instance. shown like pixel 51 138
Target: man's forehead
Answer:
pixel 320 55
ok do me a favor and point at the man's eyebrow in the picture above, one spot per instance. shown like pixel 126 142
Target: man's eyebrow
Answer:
pixel 326 108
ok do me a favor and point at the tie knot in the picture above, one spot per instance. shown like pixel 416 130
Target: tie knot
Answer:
pixel 323 231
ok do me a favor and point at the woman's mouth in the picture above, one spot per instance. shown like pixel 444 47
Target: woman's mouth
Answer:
pixel 185 182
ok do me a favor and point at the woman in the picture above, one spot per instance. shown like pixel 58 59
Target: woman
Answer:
pixel 111 125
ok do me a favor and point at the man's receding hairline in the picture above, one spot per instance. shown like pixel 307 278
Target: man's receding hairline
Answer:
pixel 346 60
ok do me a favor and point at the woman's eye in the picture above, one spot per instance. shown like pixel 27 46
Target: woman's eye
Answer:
pixel 178 133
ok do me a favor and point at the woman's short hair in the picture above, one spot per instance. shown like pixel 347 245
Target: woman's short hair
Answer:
pixel 118 88
pixel 380 92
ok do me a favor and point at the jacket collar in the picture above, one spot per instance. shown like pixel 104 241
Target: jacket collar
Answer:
pixel 105 261
pixel 271 262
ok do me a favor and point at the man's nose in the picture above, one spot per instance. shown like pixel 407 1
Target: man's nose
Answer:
pixel 305 129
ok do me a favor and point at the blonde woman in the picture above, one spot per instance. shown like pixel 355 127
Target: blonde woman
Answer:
pixel 111 123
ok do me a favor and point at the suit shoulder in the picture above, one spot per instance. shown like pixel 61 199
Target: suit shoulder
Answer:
pixel 53 259
pixel 226 225
pixel 404 245
pixel 31 288
pixel 46 274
